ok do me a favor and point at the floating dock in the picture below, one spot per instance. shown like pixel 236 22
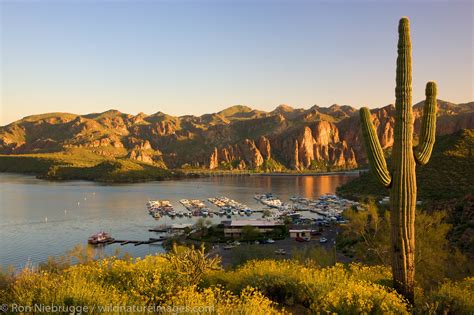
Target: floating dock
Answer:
pixel 151 240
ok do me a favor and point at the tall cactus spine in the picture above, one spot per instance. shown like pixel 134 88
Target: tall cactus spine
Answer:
pixel 401 178
pixel 403 191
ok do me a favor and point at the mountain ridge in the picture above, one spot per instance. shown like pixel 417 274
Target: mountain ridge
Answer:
pixel 238 137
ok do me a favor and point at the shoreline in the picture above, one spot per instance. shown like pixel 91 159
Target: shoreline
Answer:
pixel 179 175
pixel 206 173
pixel 348 172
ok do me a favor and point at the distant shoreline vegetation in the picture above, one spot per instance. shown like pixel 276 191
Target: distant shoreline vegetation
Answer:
pixel 61 166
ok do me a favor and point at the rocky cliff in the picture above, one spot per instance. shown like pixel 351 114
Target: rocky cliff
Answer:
pixel 239 137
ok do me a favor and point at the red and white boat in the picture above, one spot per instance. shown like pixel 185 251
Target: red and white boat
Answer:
pixel 99 238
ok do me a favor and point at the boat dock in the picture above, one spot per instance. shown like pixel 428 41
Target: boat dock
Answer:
pixel 151 240
pixel 161 228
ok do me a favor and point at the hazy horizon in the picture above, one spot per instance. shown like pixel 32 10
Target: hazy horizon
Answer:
pixel 195 58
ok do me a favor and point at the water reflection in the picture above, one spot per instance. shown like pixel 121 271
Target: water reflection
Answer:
pixel 25 203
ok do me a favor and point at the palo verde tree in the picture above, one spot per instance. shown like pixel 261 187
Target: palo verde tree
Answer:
pixel 401 177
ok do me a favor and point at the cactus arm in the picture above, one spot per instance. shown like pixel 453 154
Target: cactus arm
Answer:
pixel 428 126
pixel 373 148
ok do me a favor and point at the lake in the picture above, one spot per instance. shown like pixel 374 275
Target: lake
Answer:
pixel 40 218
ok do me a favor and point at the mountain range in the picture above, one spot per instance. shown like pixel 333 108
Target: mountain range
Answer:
pixel 239 137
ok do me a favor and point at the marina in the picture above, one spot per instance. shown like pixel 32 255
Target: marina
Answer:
pixel 230 207
pixel 327 207
pixel 76 209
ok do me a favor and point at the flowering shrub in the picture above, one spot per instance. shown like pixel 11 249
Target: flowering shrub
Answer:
pixel 70 288
pixel 254 288
pixel 333 289
pixel 249 302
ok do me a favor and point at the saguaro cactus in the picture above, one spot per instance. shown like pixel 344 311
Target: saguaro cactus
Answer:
pixel 401 177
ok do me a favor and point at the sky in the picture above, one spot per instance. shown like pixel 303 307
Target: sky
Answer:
pixel 196 57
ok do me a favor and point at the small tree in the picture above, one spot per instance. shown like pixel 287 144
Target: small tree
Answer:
pixel 192 263
pixel 250 233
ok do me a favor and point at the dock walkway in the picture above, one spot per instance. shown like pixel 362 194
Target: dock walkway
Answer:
pixel 151 240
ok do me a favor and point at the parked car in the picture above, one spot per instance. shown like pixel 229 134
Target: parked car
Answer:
pixel 323 240
pixel 269 241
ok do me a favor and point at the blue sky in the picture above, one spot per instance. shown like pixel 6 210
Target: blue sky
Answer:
pixel 195 57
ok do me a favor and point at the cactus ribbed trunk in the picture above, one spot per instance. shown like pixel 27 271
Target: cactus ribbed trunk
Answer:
pixel 401 178
pixel 403 188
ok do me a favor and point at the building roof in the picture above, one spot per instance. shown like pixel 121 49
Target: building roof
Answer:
pixel 252 223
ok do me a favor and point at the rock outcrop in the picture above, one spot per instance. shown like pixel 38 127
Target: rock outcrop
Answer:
pixel 317 142
pixel 235 138
pixel 263 145
pixel 214 160
pixel 242 155
pixel 140 155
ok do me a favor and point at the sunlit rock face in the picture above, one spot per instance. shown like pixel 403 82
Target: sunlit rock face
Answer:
pixel 236 138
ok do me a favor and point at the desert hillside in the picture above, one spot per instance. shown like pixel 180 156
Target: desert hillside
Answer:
pixel 318 138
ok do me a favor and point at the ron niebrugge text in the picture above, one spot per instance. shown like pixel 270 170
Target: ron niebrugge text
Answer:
pixel 71 309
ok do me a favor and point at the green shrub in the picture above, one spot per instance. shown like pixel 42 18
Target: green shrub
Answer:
pixel 452 298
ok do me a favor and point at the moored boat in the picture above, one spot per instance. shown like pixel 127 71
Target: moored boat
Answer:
pixel 99 238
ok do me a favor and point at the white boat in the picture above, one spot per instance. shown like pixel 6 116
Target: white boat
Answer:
pixel 99 238
pixel 274 203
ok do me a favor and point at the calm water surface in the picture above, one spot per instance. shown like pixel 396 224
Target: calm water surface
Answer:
pixel 40 218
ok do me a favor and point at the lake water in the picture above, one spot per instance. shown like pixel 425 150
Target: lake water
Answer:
pixel 40 218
